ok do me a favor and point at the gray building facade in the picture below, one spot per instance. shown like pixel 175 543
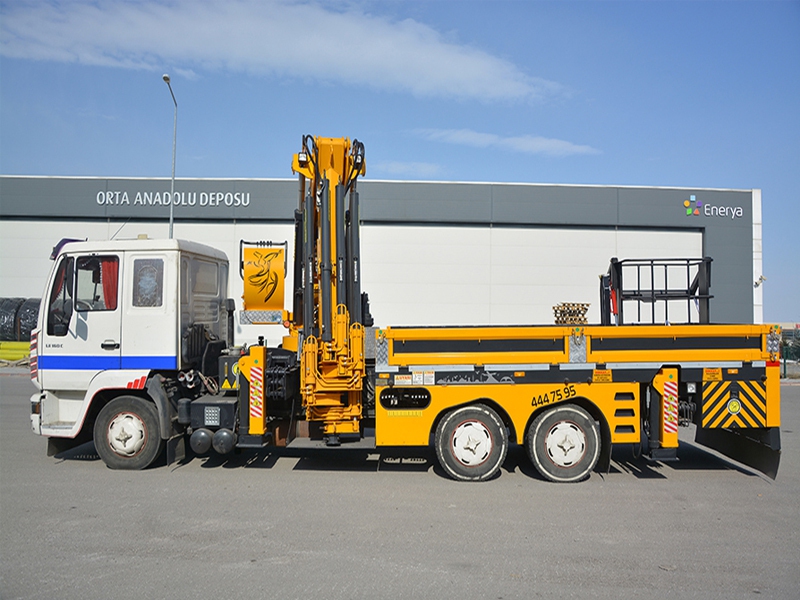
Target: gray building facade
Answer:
pixel 728 221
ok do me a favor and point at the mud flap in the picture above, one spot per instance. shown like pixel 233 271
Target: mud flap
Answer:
pixel 176 448
pixel 604 460
pixel 171 431
pixel 759 449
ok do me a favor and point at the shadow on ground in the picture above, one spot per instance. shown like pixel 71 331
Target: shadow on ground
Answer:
pixel 624 460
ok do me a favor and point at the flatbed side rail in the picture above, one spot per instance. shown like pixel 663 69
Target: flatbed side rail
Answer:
pixel 592 344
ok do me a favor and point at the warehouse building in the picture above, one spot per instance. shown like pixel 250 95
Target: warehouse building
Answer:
pixel 432 253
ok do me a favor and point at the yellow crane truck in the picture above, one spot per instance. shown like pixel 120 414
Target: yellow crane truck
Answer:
pixel 567 393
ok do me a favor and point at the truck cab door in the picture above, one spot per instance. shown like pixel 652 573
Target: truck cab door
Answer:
pixel 149 304
pixel 81 333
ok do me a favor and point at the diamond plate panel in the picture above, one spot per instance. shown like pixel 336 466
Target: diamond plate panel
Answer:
pixel 260 317
pixel 577 348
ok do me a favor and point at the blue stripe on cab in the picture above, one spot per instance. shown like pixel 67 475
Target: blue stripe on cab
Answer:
pixel 149 362
pixel 103 363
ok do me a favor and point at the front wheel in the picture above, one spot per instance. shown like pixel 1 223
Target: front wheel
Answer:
pixel 471 443
pixel 126 434
pixel 563 443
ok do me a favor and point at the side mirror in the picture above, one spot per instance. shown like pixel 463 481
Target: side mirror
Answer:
pixel 59 318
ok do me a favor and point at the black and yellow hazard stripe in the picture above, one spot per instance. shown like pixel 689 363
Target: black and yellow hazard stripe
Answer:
pixel 730 404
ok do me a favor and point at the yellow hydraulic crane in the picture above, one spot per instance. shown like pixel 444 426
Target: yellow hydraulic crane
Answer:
pixel 326 323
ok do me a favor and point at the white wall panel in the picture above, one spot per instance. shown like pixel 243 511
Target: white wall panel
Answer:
pixel 505 275
pixel 427 275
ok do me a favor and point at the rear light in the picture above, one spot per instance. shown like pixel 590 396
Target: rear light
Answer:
pixel 34 360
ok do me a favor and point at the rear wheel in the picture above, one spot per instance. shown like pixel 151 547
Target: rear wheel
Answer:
pixel 126 434
pixel 471 443
pixel 563 443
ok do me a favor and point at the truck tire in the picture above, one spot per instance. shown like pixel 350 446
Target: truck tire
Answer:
pixel 27 315
pixel 126 433
pixel 471 443
pixel 8 318
pixel 563 443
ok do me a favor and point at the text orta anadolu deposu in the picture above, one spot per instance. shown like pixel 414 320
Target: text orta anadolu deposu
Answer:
pixel 179 199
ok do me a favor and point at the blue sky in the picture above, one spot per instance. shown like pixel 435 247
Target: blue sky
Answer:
pixel 689 94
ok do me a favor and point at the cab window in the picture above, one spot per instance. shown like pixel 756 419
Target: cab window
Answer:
pixel 148 282
pixel 59 306
pixel 97 280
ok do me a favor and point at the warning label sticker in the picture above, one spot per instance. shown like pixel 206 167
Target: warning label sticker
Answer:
pixel 602 376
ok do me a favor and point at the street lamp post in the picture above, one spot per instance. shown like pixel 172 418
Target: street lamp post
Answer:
pixel 165 77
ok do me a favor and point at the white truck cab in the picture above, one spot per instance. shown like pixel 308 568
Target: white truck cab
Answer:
pixel 119 323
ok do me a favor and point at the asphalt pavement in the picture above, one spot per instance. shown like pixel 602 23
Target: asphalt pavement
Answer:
pixel 366 524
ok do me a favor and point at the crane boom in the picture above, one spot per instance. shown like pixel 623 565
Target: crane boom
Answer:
pixel 326 326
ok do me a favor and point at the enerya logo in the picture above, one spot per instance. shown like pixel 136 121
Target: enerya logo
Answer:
pixel 695 208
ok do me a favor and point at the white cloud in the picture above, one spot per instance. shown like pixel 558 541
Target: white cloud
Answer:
pixel 528 144
pixel 406 169
pixel 267 37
